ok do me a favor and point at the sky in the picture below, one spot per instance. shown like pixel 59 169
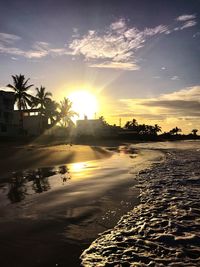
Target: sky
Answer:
pixel 141 59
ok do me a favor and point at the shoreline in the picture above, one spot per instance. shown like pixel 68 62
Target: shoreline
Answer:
pixel 163 230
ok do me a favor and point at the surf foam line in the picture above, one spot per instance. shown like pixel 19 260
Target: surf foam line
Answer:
pixel 164 230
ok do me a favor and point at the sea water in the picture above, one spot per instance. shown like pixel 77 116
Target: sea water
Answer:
pixel 164 229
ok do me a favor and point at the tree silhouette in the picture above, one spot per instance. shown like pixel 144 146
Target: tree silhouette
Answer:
pixel 175 131
pixel 22 97
pixel 66 113
pixel 194 132
pixel 131 125
pixel 51 111
pixel 156 129
pixel 41 98
pixel 103 121
pixel 142 129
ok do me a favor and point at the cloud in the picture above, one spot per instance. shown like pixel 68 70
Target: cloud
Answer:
pixel 8 38
pixel 118 25
pixel 187 94
pixel 38 49
pixel 116 65
pixel 186 17
pixel 156 30
pixel 188 24
pixel 11 50
pixel 175 78
pixel 197 34
pixel 14 58
pixel 184 104
pixel 187 20
pixel 116 45
pixel 75 33
pixel 139 116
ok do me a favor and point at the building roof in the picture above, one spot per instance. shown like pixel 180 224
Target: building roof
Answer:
pixel 2 92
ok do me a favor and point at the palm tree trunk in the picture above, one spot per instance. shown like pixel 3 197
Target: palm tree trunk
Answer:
pixel 41 120
pixel 21 121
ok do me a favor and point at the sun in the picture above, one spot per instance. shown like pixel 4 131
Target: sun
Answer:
pixel 84 103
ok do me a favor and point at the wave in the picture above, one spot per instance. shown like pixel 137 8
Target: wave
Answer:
pixel 164 230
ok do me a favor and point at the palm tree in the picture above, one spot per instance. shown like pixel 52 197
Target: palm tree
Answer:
pixel 41 99
pixel 127 125
pixel 66 113
pixel 51 111
pixel 103 121
pixel 131 125
pixel 175 130
pixel 157 129
pixel 22 97
pixel 194 131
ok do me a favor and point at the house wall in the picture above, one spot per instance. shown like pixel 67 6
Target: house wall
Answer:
pixel 32 123
pixel 7 126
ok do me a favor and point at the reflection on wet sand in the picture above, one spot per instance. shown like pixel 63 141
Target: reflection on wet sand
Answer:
pixel 54 213
pixel 27 182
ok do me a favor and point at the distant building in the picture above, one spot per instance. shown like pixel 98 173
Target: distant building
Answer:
pixel 95 127
pixel 7 126
pixel 89 127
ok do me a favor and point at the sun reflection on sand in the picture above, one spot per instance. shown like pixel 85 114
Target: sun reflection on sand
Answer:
pixel 78 167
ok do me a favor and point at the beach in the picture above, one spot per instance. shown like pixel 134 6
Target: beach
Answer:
pixel 50 215
pixel 134 205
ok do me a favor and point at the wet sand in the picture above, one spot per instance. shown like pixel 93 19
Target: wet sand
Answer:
pixel 15 157
pixel 50 215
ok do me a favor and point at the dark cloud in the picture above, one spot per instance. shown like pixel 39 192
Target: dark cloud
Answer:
pixel 184 107
pixel 174 104
pixel 142 115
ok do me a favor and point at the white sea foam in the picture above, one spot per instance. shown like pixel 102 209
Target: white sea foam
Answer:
pixel 164 230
